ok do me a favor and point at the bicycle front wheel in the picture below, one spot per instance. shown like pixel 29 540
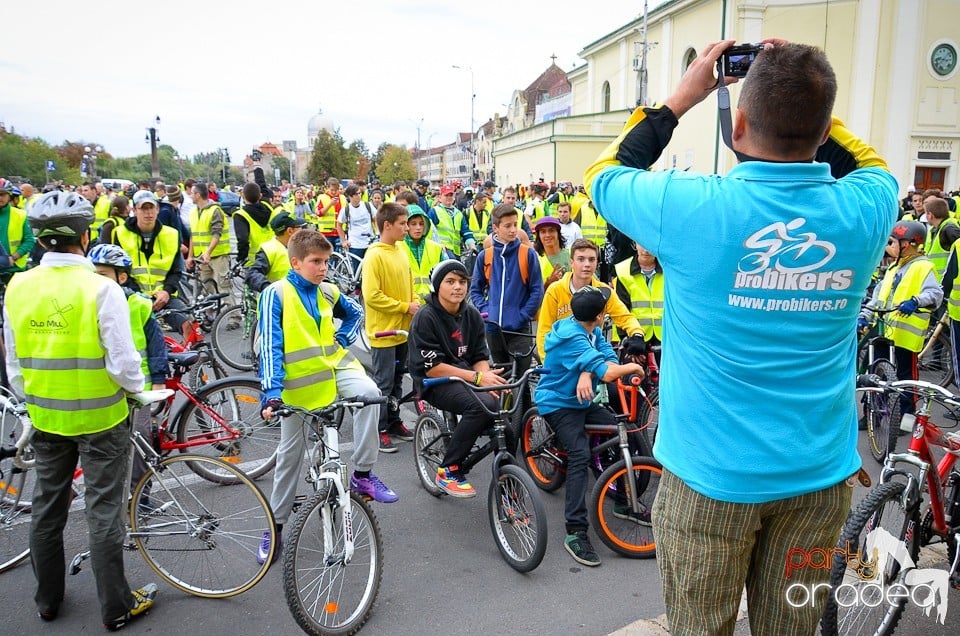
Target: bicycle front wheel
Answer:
pixel 623 521
pixel 327 593
pixel 429 447
pixel 231 404
pixel 856 603
pixel 200 537
pixel 233 337
pixel 540 452
pixel 518 519
pixel 883 414
pixel 936 359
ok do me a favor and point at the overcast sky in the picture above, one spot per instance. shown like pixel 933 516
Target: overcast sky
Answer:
pixel 239 73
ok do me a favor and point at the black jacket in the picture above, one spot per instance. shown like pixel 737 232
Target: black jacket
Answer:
pixel 437 336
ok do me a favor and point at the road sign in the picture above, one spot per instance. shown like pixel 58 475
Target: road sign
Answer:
pixel 50 165
pixel 276 176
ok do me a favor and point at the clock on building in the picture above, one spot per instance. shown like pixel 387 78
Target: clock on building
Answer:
pixel 943 59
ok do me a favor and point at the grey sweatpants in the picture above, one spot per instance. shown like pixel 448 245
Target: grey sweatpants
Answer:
pixel 366 441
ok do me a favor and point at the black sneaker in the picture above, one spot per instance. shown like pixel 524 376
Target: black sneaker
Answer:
pixel 142 602
pixel 401 432
pixel 48 616
pixel 386 444
pixel 580 548
pixel 624 512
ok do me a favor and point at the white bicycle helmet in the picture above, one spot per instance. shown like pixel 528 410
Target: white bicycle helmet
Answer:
pixel 110 255
pixel 60 214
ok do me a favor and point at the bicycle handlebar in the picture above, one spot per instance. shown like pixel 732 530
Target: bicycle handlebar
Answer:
pixel 428 382
pixel 357 401
pixel 391 332
pixel 874 383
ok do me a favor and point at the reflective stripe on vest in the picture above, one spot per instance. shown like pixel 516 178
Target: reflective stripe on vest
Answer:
pixel 309 350
pixel 200 223
pixel 934 251
pixel 328 222
pixel 479 229
pixel 448 228
pixel 905 331
pixel 53 314
pixel 150 273
pixel 278 258
pixel 646 304
pixel 430 258
pixel 593 226
pixel 15 234
pixel 258 234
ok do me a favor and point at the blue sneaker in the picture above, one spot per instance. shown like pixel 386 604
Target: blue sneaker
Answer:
pixel 373 488
pixel 264 549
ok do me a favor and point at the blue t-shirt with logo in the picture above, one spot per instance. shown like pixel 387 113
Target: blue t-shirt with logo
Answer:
pixel 764 271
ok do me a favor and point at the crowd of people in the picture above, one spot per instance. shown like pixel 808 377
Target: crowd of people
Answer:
pixel 452 266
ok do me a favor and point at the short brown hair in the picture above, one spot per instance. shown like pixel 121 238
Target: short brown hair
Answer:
pixel 584 244
pixel 389 213
pixel 408 197
pixel 932 192
pixel 306 242
pixel 788 98
pixel 503 210
pixel 565 204
pixel 936 206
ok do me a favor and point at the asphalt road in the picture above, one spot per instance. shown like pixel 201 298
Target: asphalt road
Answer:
pixel 442 574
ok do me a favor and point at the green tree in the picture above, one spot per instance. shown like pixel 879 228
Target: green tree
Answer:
pixel 284 165
pixel 330 158
pixel 396 164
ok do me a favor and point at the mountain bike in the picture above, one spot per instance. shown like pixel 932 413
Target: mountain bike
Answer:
pixel 333 553
pixel 207 366
pixel 234 331
pixel 881 412
pixel 517 517
pixel 916 503
pixel 199 537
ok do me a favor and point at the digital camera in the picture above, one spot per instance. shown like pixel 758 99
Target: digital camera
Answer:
pixel 737 59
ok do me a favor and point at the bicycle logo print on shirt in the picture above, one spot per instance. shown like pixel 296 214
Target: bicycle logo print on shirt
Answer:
pixel 783 259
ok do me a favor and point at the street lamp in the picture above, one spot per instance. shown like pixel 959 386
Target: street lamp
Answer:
pixel 90 159
pixel 473 98
pixel 153 138
pixel 419 150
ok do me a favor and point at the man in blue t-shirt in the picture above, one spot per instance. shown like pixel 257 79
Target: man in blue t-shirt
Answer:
pixel 758 432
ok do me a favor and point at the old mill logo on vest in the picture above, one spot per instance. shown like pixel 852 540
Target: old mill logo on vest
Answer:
pixel 54 321
pixel 785 259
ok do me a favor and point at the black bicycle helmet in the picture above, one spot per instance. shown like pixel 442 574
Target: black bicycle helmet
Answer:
pixel 60 214
pixel 912 231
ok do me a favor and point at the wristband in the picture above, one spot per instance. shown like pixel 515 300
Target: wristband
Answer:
pixel 476 380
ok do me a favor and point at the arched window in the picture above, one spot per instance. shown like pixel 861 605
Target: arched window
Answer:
pixel 605 97
pixel 688 59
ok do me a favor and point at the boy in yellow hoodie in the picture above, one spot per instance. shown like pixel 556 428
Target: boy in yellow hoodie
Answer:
pixel 390 302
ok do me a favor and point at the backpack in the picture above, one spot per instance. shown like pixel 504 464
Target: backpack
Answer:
pixel 522 257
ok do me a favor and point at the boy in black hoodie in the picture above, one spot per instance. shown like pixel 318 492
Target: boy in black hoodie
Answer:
pixel 447 340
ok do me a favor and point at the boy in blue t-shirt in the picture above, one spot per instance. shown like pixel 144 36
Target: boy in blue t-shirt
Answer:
pixel 578 358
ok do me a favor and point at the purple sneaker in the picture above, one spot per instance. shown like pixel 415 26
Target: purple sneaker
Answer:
pixel 373 488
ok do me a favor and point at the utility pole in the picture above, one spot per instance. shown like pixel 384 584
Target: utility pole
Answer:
pixel 473 98
pixel 642 97
pixel 154 139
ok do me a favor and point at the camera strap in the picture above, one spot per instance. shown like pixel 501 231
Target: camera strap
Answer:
pixel 723 105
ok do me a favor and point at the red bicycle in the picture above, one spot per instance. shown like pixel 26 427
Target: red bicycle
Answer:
pixel 881 540
pixel 208 366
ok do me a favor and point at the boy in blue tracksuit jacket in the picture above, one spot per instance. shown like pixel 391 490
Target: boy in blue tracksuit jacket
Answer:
pixel 510 295
pixel 578 358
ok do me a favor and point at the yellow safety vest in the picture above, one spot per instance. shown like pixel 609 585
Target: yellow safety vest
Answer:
pixel 934 251
pixel 432 255
pixel 200 223
pixel 101 211
pixel 15 234
pixel 479 229
pixel 258 234
pixel 278 258
pixel 646 303
pixel 310 352
pixel 905 331
pixel 53 313
pixel 448 228
pixel 328 222
pixel 150 272
pixel 140 310
pixel 593 226
pixel 538 212
pixel 953 301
